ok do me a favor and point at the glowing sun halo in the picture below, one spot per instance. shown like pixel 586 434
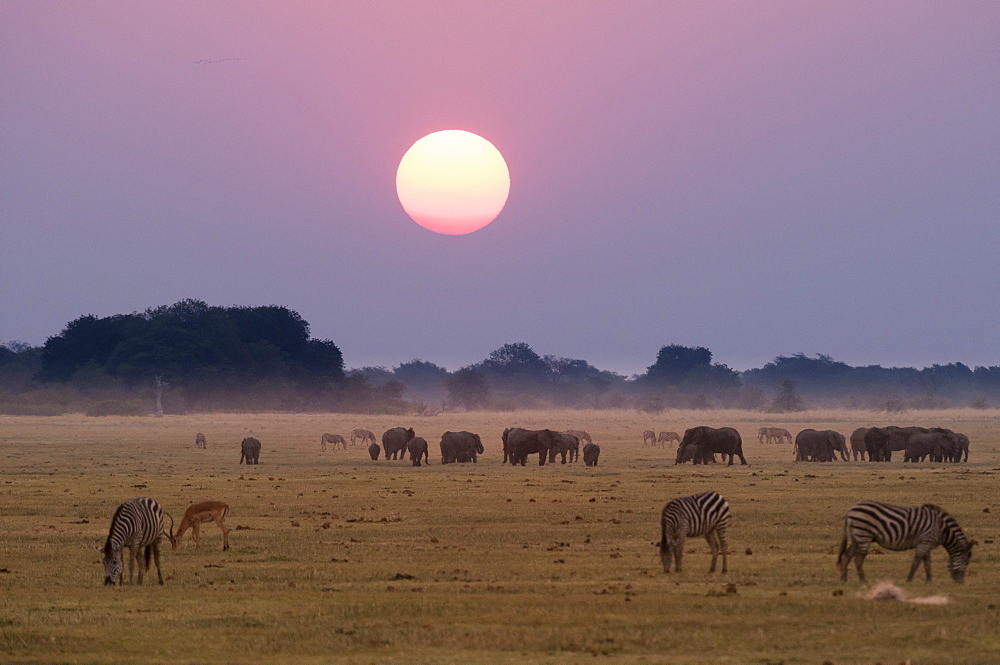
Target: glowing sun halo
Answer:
pixel 453 182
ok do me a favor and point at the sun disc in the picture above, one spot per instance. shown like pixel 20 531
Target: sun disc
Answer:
pixel 452 182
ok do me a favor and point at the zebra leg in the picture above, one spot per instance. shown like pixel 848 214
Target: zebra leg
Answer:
pixel 678 552
pixel 720 533
pixel 844 558
pixel 923 554
pixel 714 546
pixel 132 556
pixel 156 559
pixel 860 552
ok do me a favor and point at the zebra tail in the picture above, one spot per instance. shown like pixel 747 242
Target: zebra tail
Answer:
pixel 843 546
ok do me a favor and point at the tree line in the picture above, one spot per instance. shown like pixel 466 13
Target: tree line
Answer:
pixel 263 358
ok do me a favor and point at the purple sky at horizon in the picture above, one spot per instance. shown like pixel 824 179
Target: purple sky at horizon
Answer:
pixel 758 178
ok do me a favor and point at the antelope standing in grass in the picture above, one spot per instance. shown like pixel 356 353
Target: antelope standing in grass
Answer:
pixel 195 516
pixel 200 441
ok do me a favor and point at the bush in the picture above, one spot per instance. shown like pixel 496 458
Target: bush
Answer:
pixel 116 407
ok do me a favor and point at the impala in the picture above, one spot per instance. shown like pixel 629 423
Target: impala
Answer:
pixel 195 515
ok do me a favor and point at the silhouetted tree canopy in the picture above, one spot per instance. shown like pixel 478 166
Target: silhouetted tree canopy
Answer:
pixel 264 357
pixel 422 378
pixel 690 370
pixel 195 346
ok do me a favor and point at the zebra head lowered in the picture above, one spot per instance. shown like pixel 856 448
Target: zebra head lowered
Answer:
pixel 113 564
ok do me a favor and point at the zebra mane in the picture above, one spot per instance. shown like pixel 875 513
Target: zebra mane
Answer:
pixel 932 507
pixel 952 536
pixel 108 549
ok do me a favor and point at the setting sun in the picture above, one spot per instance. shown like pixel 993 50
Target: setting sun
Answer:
pixel 453 182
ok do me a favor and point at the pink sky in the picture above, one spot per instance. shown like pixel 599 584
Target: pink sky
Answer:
pixel 759 178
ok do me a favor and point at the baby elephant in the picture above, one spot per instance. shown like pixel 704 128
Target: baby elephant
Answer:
pixel 374 450
pixel 418 448
pixel 591 452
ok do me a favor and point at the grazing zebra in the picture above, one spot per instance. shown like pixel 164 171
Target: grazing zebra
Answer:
pixel 335 439
pixel 200 441
pixel 903 528
pixel 363 434
pixel 773 435
pixel 138 525
pixel 705 514
pixel 650 436
pixel 668 437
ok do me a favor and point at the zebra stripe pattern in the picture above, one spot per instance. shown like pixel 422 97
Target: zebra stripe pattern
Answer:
pixel 138 525
pixel 903 528
pixel 705 514
pixel 363 434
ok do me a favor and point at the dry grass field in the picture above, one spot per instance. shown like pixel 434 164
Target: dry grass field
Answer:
pixel 338 559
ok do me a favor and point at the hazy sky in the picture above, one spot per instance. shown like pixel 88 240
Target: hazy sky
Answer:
pixel 760 178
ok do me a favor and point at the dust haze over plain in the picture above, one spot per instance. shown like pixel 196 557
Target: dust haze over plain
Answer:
pixel 758 179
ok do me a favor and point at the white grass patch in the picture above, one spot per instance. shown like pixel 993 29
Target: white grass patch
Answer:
pixel 889 591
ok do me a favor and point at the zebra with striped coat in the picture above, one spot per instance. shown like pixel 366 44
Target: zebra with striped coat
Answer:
pixel 903 528
pixel 363 434
pixel 705 514
pixel 138 525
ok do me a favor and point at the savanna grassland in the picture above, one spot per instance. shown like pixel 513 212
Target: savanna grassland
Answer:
pixel 339 559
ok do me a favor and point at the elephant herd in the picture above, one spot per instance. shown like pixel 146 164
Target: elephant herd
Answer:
pixel 518 444
pixel 460 447
pixel 699 445
pixel 878 443
pixel 916 443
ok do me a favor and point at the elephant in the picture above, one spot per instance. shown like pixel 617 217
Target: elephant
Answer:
pixel 686 453
pixel 840 445
pixel 900 436
pixel 523 442
pixel 582 439
pixel 460 447
pixel 877 444
pixel 963 447
pixel 394 442
pixel 957 444
pixel 250 451
pixel 941 445
pixel 374 450
pixel 725 440
pixel 568 444
pixel 816 445
pixel 418 448
pixel 591 452
pixel 858 449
